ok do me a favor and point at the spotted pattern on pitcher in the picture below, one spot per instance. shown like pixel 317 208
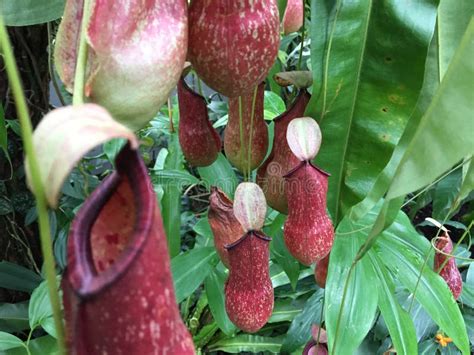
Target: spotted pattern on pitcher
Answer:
pixel 249 290
pixel 233 44
pixel 308 231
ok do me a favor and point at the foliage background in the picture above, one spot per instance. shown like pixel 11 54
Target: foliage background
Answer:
pixel 392 92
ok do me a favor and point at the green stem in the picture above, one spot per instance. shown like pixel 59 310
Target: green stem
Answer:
pixel 36 183
pixel 249 153
pixel 320 321
pixel 81 65
pixel 241 132
pixel 300 59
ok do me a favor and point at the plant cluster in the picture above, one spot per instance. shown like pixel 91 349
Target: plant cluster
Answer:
pixel 240 176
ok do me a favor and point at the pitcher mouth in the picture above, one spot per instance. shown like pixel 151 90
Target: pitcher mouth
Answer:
pixel 81 272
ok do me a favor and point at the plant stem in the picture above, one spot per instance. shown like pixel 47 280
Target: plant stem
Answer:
pixel 241 132
pixel 81 65
pixel 36 183
pixel 249 152
pixel 300 59
pixel 170 115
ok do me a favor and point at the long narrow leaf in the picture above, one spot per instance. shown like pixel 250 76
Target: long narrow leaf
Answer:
pixel 350 297
pixel 398 321
pixel 432 291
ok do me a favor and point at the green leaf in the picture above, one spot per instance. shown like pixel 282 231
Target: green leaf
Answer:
pixel 398 321
pixel 220 174
pixel 431 291
pixel 9 341
pixel 360 301
pixel 203 230
pixel 279 251
pixel 428 155
pixel 190 269
pixel 5 206
pixel 285 310
pixel 382 183
pixel 445 194
pixel 248 343
pixel 365 104
pixel 14 317
pixel 180 178
pixel 40 305
pixel 467 295
pixel 468 182
pixel 428 347
pixel 214 286
pixel 39 346
pixel 274 105
pixel 171 200
pixel 30 12
pixel 16 277
pixel 300 329
pixel 282 7
pixel 453 19
pixel 48 325
pixel 113 147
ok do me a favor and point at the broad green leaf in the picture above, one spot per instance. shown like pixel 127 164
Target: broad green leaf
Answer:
pixel 279 251
pixel 9 341
pixel 445 194
pixel 274 104
pixel 365 104
pixel 16 277
pixel 40 305
pixel 382 183
pixel 450 112
pixel 180 178
pixel 14 317
pixel 441 123
pixel 204 238
pixel 39 346
pixel 220 174
pixel 48 325
pixel 349 297
pixel 299 332
pixel 214 286
pixel 432 291
pixel 248 343
pixel 425 327
pixel 30 12
pixel 190 269
pixel 285 310
pixel 453 19
pixel 171 200
pixel 397 320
